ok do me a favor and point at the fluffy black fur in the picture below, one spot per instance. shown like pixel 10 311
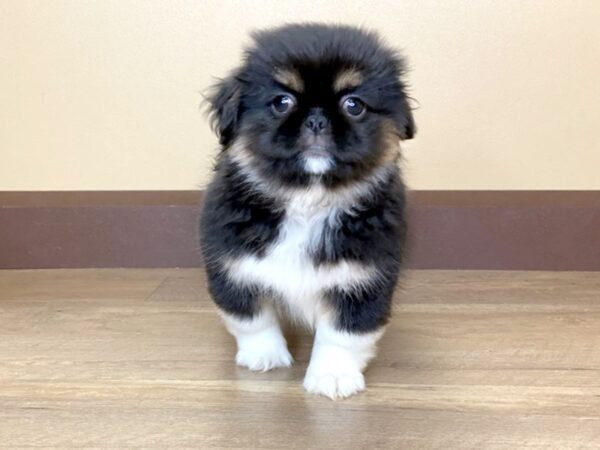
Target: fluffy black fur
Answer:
pixel 238 219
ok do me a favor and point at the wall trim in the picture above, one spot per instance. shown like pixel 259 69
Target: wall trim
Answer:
pixel 506 230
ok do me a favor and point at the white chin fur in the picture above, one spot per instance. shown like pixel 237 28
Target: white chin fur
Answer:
pixel 317 165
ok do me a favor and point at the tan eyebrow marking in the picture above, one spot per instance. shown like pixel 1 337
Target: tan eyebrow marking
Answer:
pixel 347 79
pixel 289 78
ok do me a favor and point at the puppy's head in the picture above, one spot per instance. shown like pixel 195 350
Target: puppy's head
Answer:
pixel 315 102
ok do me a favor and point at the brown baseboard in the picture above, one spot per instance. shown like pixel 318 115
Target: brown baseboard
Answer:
pixel 509 230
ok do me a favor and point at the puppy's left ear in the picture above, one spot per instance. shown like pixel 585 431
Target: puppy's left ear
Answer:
pixel 224 102
pixel 405 121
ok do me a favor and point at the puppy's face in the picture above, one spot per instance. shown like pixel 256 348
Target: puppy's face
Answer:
pixel 313 103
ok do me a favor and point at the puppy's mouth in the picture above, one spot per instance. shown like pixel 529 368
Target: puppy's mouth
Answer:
pixel 316 145
pixel 317 160
pixel 316 151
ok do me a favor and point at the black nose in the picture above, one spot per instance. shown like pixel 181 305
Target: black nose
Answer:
pixel 316 122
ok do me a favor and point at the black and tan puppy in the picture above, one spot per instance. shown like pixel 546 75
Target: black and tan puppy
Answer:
pixel 305 213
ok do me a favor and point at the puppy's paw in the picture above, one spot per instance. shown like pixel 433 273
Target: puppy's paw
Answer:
pixel 263 351
pixel 334 385
pixel 265 359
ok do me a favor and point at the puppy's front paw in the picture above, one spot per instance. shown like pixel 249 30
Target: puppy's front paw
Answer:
pixel 334 385
pixel 264 359
pixel 263 351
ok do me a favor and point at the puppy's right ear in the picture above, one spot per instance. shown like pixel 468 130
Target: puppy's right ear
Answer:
pixel 224 102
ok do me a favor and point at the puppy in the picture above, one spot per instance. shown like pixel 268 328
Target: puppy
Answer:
pixel 305 213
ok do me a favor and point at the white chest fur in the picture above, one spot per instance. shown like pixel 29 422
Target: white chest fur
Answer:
pixel 287 267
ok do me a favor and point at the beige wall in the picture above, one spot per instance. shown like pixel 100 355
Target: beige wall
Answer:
pixel 104 94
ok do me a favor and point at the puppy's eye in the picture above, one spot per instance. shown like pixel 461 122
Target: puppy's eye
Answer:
pixel 282 104
pixel 353 106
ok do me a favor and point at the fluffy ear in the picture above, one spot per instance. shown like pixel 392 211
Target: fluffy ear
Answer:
pixel 224 102
pixel 405 121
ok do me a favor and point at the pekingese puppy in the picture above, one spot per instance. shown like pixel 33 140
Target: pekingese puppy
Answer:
pixel 305 215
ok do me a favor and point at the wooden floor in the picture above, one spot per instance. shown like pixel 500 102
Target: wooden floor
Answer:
pixel 138 358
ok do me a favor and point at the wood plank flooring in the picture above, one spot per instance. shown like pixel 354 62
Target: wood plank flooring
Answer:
pixel 138 358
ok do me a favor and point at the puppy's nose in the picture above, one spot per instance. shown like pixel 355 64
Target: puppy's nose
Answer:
pixel 316 122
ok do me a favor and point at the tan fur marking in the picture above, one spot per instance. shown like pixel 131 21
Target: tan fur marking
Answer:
pixel 344 197
pixel 289 78
pixel 347 79
pixel 391 142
